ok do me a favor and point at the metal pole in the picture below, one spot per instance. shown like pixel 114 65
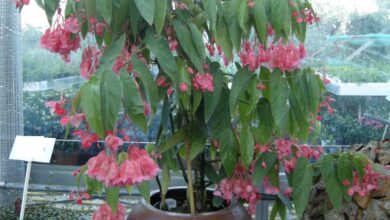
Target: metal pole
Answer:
pixel 25 190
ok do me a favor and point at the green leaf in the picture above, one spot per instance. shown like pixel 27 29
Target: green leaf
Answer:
pixel 51 8
pixel 198 142
pixel 266 122
pixel 112 197
pixel 220 119
pixel 160 47
pixel 228 151
pixel 223 37
pixel 278 208
pixel 211 99
pixel 302 185
pixel 359 162
pixel 247 145
pixel 133 103
pixel 243 16
pixel 278 97
pixel 240 82
pixel 259 172
pixel 147 80
pixel 91 105
pixel 146 9
pixel 184 36
pixel 300 117
pixel 111 97
pixel 260 16
pixel 166 180
pixel 177 138
pixel 197 38
pixel 104 9
pixel 135 18
pixel 344 172
pixel 264 78
pixel 111 53
pixel 280 16
pixel 210 6
pixel 333 186
pixel 160 13
pixel 210 173
pixel 197 100
pixel 144 189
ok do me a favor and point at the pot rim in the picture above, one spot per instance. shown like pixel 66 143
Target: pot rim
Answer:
pixel 231 206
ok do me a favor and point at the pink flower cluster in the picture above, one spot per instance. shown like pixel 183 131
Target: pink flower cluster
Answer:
pixel 20 3
pixel 281 56
pixel 60 40
pixel 203 82
pixel 368 183
pixel 138 167
pixel 57 107
pixel 87 139
pixel 326 103
pixel 239 186
pixel 90 60
pixel 78 197
pixel 74 120
pixel 113 142
pixel 105 213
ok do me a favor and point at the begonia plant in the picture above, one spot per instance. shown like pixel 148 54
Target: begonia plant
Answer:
pixel 228 130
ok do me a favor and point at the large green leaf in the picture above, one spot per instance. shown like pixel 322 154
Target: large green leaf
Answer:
pixel 243 16
pixel 111 97
pixel 344 172
pixel 166 180
pixel 228 151
pixel 266 122
pixel 112 197
pixel 302 185
pixel 144 189
pixel 211 99
pixel 259 171
pixel 260 16
pixel 135 18
pixel 333 186
pixel 197 38
pixel 104 9
pixel 220 119
pixel 198 141
pixel 133 103
pixel 146 9
pixel 185 39
pixel 160 13
pixel 147 80
pixel 51 8
pixel 300 118
pixel 210 6
pixel 223 37
pixel 240 82
pixel 111 53
pixel 177 138
pixel 278 208
pixel 160 47
pixel 280 16
pixel 247 145
pixel 91 105
pixel 278 97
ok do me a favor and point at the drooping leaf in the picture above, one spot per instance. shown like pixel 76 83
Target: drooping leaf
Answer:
pixel 184 36
pixel 240 81
pixel 91 105
pixel 333 186
pixel 247 145
pixel 260 16
pixel 211 99
pixel 111 97
pixel 344 172
pixel 146 9
pixel 147 80
pixel 112 197
pixel 280 16
pixel 144 189
pixel 133 103
pixel 243 16
pixel 166 180
pixel 210 6
pixel 197 38
pixel 160 12
pixel 51 8
pixel 259 171
pixel 160 47
pixel 278 208
pixel 104 9
pixel 177 137
pixel 223 37
pixel 228 151
pixel 278 97
pixel 266 122
pixel 302 185
pixel 111 53
pixel 300 117
pixel 220 119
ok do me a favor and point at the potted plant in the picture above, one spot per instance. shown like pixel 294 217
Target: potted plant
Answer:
pixel 217 128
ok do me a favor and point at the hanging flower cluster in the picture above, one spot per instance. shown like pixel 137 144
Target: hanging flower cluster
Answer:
pixel 105 213
pixel 367 183
pixel 239 186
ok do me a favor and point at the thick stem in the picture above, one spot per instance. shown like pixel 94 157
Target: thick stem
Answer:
pixel 189 177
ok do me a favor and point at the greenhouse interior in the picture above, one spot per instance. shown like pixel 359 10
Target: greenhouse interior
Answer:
pixel 195 109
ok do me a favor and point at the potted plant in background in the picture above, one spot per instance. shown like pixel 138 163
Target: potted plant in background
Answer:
pixel 231 130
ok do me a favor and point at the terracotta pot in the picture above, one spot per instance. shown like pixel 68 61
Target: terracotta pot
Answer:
pixel 145 211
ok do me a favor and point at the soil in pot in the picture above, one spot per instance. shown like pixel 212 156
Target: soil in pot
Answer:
pixel 176 201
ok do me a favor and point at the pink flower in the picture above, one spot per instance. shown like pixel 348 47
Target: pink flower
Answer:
pixel 285 57
pixel 99 28
pixel 161 81
pixel 269 189
pixel 146 108
pixel 20 3
pixel 289 165
pixel 287 192
pixel 169 91
pixel 113 142
pixel 121 60
pixel 87 139
pixel 190 70
pixel 261 86
pixel 105 213
pixel 251 3
pixel 60 41
pixel 183 87
pixel 72 24
pixel 57 107
pixel 90 60
pixel 203 82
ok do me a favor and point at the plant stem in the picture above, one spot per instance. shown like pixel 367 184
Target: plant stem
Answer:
pixel 189 177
